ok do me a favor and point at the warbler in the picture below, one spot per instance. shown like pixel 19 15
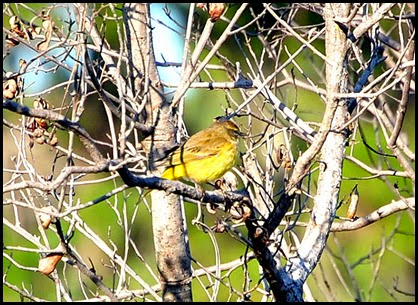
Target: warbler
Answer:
pixel 207 155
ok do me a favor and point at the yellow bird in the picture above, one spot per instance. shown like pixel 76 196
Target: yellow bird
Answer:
pixel 207 155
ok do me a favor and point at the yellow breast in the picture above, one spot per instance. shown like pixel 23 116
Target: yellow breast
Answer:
pixel 205 169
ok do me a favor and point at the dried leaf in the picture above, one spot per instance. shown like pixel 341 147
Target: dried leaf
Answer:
pixel 48 264
pixel 216 10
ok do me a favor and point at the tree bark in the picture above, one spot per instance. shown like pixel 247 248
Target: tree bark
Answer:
pixel 332 151
pixel 170 236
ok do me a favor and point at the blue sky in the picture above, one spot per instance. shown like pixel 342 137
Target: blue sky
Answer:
pixel 167 45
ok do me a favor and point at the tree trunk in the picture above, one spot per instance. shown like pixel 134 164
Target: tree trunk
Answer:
pixel 332 151
pixel 170 236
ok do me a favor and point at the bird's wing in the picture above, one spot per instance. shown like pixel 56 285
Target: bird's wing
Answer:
pixel 197 147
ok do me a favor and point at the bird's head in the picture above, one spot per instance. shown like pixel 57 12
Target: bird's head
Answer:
pixel 230 127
